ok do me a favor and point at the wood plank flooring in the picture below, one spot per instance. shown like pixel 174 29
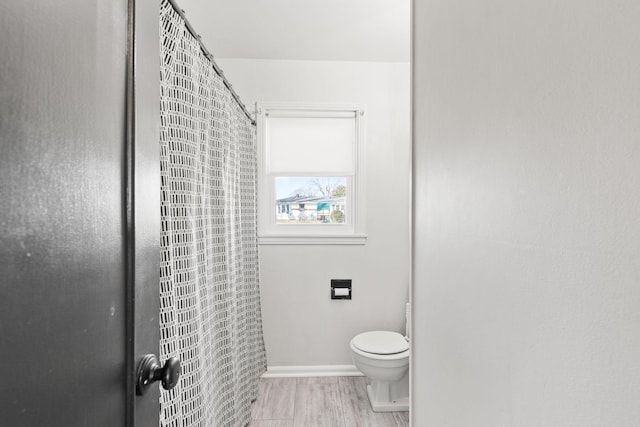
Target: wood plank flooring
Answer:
pixel 319 402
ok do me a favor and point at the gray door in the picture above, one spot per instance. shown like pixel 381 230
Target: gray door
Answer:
pixel 79 210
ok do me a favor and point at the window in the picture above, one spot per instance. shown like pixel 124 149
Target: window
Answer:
pixel 310 199
pixel 311 175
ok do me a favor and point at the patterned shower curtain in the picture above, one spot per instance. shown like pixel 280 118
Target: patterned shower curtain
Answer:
pixel 209 293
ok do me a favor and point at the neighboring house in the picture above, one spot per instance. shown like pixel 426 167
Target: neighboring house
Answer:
pixel 310 209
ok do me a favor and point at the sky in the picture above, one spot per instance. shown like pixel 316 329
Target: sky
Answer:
pixel 285 186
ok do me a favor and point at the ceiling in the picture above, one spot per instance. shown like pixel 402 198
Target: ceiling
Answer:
pixel 324 30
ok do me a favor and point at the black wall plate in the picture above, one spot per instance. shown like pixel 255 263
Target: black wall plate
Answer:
pixel 340 284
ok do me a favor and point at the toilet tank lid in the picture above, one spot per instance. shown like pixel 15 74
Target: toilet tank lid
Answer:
pixel 381 342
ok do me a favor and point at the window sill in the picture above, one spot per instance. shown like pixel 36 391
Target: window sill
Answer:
pixel 307 239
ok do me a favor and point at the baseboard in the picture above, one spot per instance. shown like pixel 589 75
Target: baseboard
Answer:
pixel 312 371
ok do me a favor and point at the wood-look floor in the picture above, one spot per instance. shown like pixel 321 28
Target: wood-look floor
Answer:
pixel 319 402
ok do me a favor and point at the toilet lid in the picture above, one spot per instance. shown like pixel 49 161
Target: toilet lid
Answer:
pixel 381 342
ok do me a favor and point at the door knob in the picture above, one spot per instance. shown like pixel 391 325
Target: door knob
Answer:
pixel 150 371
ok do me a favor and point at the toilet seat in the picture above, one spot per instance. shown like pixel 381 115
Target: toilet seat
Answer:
pixel 380 342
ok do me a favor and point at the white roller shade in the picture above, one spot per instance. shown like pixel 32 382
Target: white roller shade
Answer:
pixel 311 144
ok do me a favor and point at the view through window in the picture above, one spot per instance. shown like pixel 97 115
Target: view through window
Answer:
pixel 311 200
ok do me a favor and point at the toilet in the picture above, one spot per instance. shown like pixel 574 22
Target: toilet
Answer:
pixel 383 356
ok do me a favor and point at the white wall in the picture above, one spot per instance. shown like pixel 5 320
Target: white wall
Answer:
pixel 302 325
pixel 527 231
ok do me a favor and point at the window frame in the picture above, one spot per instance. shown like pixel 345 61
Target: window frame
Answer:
pixel 271 233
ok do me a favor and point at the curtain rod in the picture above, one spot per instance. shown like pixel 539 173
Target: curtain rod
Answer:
pixel 209 56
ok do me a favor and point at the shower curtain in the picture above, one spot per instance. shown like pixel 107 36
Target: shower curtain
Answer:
pixel 209 292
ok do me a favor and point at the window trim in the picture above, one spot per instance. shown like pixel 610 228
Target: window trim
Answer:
pixel 270 233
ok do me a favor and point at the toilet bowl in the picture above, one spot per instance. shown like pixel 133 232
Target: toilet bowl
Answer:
pixel 383 357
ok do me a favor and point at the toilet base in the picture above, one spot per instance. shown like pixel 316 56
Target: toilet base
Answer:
pixel 399 405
